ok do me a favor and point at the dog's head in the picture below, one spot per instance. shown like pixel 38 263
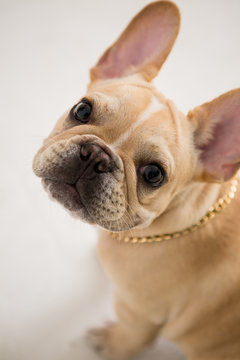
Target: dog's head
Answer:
pixel 121 155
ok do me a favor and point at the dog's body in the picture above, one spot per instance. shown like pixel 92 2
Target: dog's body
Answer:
pixel 126 159
pixel 190 291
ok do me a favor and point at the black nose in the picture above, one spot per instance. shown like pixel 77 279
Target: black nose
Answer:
pixel 94 160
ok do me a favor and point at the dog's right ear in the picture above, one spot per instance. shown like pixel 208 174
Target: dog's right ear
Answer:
pixel 143 46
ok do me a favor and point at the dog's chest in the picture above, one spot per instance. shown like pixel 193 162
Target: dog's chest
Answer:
pixel 169 281
pixel 149 276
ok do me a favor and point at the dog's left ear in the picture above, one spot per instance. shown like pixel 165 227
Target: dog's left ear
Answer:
pixel 217 136
pixel 143 46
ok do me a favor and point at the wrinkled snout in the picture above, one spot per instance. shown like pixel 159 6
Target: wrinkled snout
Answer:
pixel 85 176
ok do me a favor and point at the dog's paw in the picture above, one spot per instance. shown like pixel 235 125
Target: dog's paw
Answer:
pixel 98 339
pixel 107 343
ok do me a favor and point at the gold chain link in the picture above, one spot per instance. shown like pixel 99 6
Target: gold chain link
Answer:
pixel 215 209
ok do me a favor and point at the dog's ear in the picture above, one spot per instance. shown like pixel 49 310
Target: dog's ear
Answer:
pixel 143 46
pixel 217 136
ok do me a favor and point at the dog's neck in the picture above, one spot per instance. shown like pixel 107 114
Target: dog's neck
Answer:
pixel 184 211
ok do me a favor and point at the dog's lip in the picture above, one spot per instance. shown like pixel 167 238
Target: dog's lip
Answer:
pixel 70 197
pixel 76 201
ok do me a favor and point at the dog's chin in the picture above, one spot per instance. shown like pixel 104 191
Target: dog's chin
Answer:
pixel 68 196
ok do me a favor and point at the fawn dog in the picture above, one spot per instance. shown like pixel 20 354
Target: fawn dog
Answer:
pixel 161 186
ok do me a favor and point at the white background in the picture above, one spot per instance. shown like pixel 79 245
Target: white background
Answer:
pixel 52 288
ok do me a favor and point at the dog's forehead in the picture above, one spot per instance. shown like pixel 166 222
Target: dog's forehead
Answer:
pixel 118 97
pixel 129 108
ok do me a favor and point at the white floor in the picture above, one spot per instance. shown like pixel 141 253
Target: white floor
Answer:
pixel 52 288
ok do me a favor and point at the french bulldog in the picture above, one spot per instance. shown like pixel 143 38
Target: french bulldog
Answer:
pixel 155 181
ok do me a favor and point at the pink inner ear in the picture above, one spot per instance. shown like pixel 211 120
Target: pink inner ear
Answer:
pixel 140 48
pixel 147 40
pixel 221 155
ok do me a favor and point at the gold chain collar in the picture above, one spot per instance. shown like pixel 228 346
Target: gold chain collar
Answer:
pixel 215 209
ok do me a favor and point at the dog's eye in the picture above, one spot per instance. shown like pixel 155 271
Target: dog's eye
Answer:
pixel 153 174
pixel 82 111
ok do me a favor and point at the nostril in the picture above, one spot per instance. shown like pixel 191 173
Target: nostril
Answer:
pixel 99 168
pixel 84 153
pixel 103 166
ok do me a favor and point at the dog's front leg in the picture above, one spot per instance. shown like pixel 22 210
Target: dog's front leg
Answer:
pixel 125 338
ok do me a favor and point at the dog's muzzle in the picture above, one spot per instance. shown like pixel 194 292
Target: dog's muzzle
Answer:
pixel 84 175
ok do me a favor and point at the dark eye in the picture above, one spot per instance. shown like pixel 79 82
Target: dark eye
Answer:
pixel 153 174
pixel 82 111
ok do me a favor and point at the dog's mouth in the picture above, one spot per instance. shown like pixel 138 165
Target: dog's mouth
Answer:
pixel 68 196
pixel 99 206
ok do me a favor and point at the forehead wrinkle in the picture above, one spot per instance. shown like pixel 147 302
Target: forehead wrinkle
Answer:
pixel 109 103
pixel 175 119
pixel 131 80
pixel 164 154
pixel 154 107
